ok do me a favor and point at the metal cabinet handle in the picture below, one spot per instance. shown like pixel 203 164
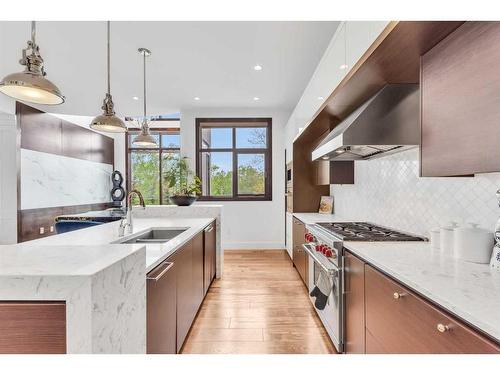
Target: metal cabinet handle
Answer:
pixel 167 266
pixel 397 295
pixel 209 229
pixel 442 328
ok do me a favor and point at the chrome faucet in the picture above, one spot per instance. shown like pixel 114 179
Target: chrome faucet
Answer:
pixel 128 225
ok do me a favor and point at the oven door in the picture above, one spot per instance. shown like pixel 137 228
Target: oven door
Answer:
pixel 332 315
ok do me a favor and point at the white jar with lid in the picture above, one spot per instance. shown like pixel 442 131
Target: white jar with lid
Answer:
pixel 446 238
pixel 473 244
pixel 435 235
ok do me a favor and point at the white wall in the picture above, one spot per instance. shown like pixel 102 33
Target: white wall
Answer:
pixel 247 225
pixel 389 191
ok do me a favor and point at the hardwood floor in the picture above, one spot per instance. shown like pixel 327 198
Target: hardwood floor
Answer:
pixel 259 306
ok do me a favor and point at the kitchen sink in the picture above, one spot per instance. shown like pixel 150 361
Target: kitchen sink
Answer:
pixel 152 236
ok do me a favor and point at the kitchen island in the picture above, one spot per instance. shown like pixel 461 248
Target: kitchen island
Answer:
pixel 101 282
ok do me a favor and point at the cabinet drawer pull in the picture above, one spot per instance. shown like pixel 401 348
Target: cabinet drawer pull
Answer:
pixel 165 267
pixel 397 295
pixel 442 328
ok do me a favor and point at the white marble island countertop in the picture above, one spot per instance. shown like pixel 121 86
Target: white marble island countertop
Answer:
pixel 468 290
pixel 106 234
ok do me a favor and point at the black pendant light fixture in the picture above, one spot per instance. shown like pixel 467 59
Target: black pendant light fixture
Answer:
pixel 144 139
pixel 108 122
pixel 31 84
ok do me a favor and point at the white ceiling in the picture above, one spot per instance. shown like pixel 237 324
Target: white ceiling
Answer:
pixel 210 60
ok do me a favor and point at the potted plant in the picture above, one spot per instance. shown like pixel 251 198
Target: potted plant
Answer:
pixel 183 186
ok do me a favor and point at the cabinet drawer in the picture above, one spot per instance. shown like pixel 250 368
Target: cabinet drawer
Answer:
pixel 401 322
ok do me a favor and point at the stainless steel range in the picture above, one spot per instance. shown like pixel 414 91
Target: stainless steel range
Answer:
pixel 324 245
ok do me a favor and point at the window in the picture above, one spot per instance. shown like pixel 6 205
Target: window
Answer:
pixel 234 158
pixel 146 166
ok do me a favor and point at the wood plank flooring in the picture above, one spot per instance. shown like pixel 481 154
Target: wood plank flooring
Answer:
pixel 259 306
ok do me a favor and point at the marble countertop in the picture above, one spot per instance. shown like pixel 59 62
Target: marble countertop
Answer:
pixel 314 217
pixel 468 290
pixel 102 236
pixel 45 260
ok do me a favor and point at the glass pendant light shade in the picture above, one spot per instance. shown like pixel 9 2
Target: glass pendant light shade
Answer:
pixel 31 85
pixel 144 139
pixel 108 122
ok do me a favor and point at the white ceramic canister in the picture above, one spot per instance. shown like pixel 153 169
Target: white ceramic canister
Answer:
pixel 473 244
pixel 435 237
pixel 446 238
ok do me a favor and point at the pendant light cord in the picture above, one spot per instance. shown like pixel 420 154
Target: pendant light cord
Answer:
pixel 109 64
pixel 144 60
pixel 33 32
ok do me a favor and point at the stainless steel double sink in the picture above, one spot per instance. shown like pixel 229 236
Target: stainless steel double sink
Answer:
pixel 151 236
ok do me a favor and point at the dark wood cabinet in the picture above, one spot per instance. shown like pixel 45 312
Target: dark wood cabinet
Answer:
pixel 299 256
pixel 354 271
pixel 460 108
pixel 198 270
pixel 209 242
pixel 32 327
pixel 189 276
pixel 334 172
pixel 183 261
pixel 399 321
pixel 162 309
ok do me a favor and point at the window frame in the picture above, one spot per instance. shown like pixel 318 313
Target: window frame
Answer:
pixel 204 123
pixel 160 150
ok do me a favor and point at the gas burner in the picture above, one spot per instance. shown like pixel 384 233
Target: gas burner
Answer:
pixel 360 231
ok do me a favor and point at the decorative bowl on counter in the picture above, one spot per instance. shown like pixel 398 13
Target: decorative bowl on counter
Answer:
pixel 183 200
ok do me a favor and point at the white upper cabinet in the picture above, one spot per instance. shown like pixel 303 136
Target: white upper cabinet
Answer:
pixel 349 43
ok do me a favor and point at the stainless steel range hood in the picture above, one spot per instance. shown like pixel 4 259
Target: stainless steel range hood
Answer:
pixel 388 122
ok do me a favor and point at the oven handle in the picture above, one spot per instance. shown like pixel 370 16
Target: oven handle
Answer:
pixel 332 272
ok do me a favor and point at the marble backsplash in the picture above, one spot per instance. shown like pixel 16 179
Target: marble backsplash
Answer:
pixel 49 180
pixel 389 191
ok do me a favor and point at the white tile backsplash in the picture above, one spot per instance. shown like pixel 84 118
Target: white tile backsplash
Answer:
pixel 389 191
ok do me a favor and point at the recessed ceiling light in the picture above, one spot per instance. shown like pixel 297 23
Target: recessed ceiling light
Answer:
pixel 320 98
pixel 196 98
pixel 256 98
pixel 257 67
pixel 343 66
pixel 135 97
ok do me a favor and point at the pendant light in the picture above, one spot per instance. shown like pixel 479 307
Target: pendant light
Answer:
pixel 144 139
pixel 31 85
pixel 108 122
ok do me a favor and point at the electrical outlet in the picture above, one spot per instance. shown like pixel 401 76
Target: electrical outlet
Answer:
pixel 42 230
